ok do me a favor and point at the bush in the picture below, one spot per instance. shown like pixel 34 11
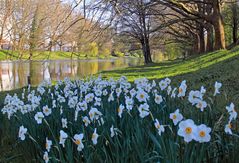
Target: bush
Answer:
pixel 105 52
pixel 119 54
pixel 93 49
pixel 116 121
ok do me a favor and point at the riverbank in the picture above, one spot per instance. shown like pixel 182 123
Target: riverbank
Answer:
pixel 197 70
pixel 6 55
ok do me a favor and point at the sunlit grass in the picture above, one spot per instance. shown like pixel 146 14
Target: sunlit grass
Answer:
pixel 45 55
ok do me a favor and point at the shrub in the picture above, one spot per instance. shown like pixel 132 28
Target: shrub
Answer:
pixel 93 49
pixel 119 54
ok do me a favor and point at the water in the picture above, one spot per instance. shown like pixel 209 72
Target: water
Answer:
pixel 14 74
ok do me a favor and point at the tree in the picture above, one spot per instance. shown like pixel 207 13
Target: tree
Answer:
pixel 211 14
pixel 138 19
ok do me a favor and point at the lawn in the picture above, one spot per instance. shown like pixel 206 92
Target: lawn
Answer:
pixel 200 70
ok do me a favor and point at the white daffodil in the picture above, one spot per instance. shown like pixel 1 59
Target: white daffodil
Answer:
pixel 120 110
pixel 111 97
pixel 46 157
pixel 167 80
pixel 202 133
pixel 47 111
pixel 143 110
pixel 194 97
pixel 21 133
pixel 89 97
pixel 132 92
pixel 217 87
pixel 201 105
pixel 158 99
pixel 169 89
pixel 202 90
pixel 163 84
pixel 129 103
pixel 159 127
pixel 187 129
pixel 82 106
pixel 64 122
pixel 105 92
pixel 94 137
pixel 118 91
pixel 176 117
pixel 94 114
pixel 173 95
pixel 227 128
pixel 86 121
pixel 78 141
pixel 48 144
pixel 142 96
pixel 63 137
pixel 38 117
pixel 232 112
pixel 182 89
pixel 113 131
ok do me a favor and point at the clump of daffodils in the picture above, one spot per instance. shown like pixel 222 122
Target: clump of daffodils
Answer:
pixel 83 113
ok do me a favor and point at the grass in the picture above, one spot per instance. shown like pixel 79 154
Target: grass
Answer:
pixel 222 66
pixel 43 55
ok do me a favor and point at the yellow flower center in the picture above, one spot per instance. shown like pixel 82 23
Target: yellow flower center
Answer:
pixel 91 114
pixel 141 96
pixel 180 90
pixel 46 110
pixel 93 136
pixel 229 125
pixel 46 145
pixel 78 142
pixel 202 133
pixel 199 104
pixel 158 126
pixel 174 116
pixel 188 130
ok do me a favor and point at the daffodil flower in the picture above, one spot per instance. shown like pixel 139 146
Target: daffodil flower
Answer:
pixel 176 117
pixel 187 129
pixel 159 127
pixel 78 141
pixel 202 133
pixel 22 132
pixel 94 137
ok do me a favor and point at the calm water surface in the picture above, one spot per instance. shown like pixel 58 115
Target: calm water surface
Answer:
pixel 14 74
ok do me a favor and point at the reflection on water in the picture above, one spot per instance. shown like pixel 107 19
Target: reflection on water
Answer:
pixel 15 74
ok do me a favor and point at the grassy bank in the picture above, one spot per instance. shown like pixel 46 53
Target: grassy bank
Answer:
pixel 200 70
pixel 43 55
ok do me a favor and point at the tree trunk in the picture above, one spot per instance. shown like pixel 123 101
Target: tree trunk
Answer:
pixel 196 46
pixel 201 38
pixel 209 29
pixel 235 23
pixel 218 26
pixel 146 51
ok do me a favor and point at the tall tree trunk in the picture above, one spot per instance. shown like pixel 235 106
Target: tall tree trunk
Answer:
pixel 235 22
pixel 146 51
pixel 218 26
pixel 196 45
pixel 201 38
pixel 209 29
